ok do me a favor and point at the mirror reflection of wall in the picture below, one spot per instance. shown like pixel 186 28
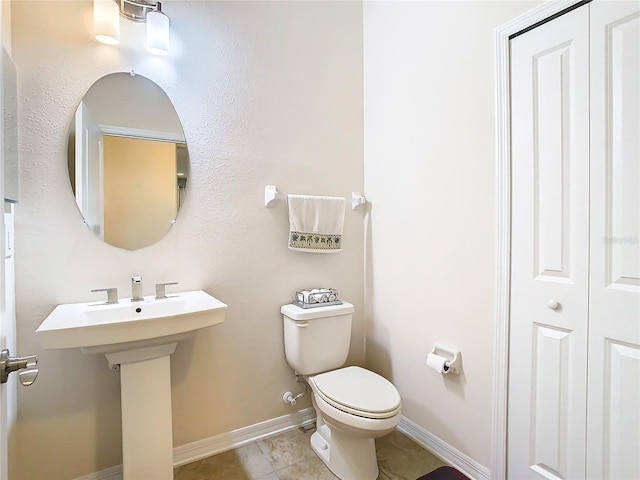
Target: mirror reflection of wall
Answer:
pixel 128 161
pixel 139 186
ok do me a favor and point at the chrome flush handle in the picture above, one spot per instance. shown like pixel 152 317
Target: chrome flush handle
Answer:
pixel 11 364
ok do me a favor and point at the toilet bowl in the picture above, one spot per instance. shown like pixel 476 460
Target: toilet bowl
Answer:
pixel 354 406
pixel 358 397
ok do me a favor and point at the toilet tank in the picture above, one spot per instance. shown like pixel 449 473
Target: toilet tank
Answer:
pixel 317 339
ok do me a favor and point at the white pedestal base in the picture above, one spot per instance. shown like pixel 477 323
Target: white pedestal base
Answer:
pixel 147 442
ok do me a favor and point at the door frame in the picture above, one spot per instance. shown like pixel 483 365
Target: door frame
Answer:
pixel 502 35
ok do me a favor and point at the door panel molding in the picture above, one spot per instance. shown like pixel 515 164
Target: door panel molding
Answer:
pixel 622 197
pixel 620 412
pixel 552 229
pixel 550 393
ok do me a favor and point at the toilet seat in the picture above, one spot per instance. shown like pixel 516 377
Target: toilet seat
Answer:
pixel 357 391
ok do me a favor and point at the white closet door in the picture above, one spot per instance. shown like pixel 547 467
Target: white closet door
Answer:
pixel 550 249
pixel 614 332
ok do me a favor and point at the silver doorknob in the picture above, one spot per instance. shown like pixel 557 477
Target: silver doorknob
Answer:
pixel 10 364
pixel 553 304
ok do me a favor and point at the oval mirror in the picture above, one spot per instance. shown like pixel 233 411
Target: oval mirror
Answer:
pixel 128 160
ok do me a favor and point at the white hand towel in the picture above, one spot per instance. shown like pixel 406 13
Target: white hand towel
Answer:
pixel 315 223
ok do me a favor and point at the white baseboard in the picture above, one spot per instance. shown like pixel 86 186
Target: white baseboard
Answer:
pixel 443 450
pixel 111 473
pixel 200 449
pixel 206 447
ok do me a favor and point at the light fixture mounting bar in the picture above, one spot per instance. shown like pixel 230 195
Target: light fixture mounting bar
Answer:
pixel 136 10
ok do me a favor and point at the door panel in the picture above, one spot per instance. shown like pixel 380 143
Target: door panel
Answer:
pixel 550 230
pixel 549 430
pixel 551 131
pixel 620 413
pixel 614 337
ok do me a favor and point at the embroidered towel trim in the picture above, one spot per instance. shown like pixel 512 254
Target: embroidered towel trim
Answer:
pixel 315 223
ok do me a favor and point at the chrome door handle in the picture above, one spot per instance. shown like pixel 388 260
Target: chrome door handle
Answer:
pixel 11 364
pixel 27 377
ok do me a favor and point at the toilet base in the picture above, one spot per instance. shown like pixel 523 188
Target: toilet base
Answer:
pixel 348 457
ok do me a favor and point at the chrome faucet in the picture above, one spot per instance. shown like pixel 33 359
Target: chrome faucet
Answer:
pixel 136 289
pixel 161 290
pixel 112 294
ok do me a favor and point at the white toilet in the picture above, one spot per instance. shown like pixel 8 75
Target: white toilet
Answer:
pixel 353 405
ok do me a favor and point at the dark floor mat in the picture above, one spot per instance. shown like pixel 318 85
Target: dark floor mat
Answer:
pixel 444 473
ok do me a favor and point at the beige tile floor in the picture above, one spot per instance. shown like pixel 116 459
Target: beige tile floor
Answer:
pixel 288 456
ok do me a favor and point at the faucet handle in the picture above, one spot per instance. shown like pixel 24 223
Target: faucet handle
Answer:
pixel 112 294
pixel 160 289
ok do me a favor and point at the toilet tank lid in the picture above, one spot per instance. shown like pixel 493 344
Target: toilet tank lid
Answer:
pixel 296 313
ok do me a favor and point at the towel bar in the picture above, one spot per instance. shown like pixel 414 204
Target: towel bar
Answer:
pixel 271 195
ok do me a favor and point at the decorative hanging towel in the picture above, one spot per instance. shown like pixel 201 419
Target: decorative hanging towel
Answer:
pixel 315 223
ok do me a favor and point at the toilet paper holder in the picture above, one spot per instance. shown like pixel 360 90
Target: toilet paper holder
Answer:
pixel 453 362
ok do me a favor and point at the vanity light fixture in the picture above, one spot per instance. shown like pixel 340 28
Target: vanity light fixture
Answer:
pixel 106 22
pixel 157 31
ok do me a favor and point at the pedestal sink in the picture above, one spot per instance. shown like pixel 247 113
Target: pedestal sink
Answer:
pixel 139 336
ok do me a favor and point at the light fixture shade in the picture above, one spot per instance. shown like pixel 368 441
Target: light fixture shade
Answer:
pixel 106 21
pixel 157 33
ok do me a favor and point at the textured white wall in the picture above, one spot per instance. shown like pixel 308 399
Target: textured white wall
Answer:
pixel 268 93
pixel 429 173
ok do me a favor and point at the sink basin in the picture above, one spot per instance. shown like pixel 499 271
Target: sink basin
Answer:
pixel 138 339
pixel 101 328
